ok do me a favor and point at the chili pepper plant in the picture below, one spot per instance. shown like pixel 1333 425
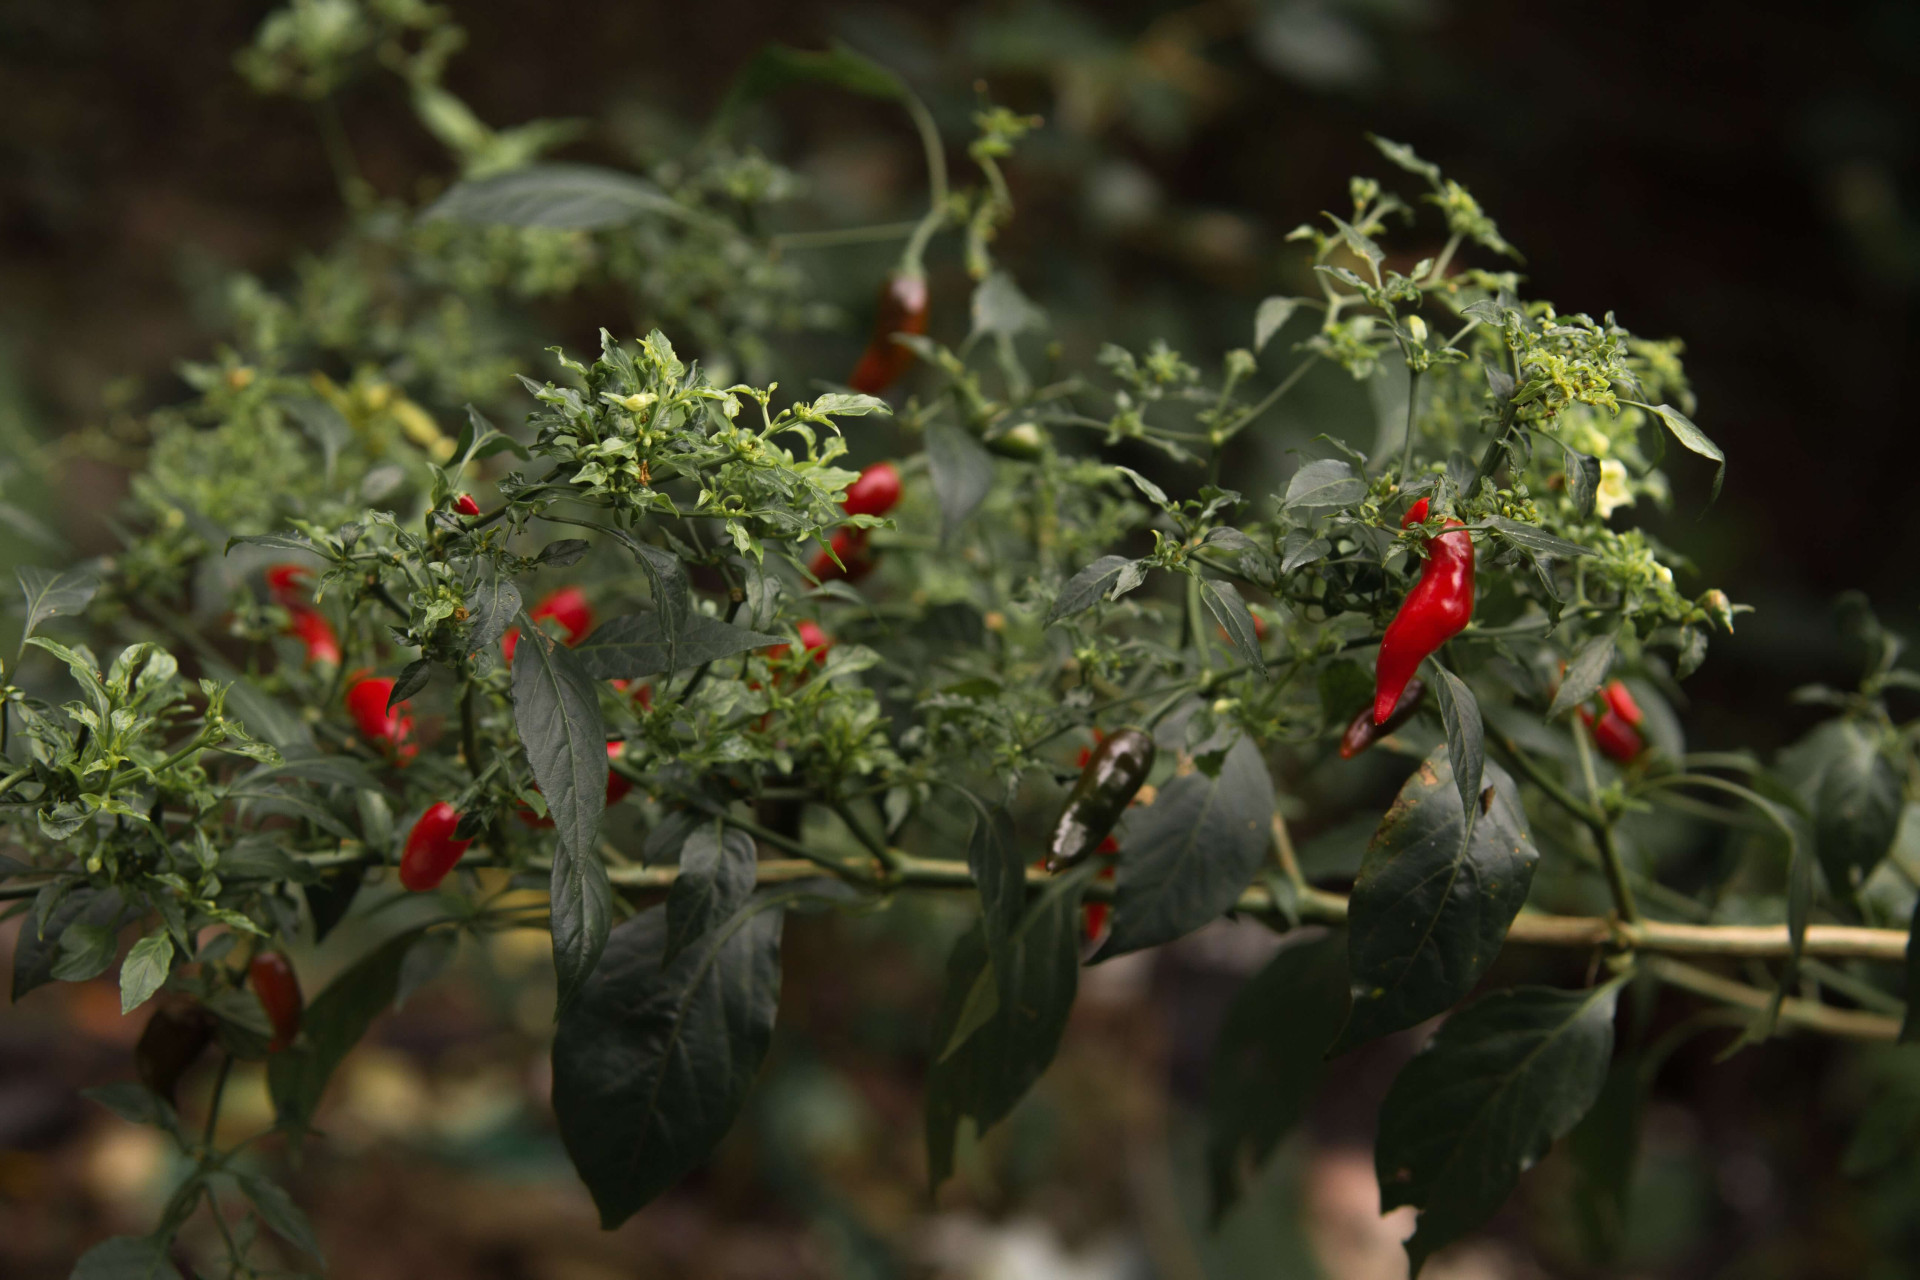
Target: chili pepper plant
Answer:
pixel 621 645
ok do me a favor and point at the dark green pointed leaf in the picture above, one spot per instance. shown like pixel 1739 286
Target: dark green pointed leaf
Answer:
pixel 1466 741
pixel 564 553
pixel 1429 911
pixel 1585 674
pixel 126 1258
pixel 984 1075
pixel 1185 858
pixel 716 879
pixel 53 595
pixel 1583 480
pixel 333 1023
pixel 570 197
pixel 962 472
pixel 491 607
pixel 634 645
pixel 672 596
pixel 85 952
pixel 36 953
pixel 412 679
pixel 1857 808
pixel 1088 587
pixel 282 1216
pixel 1230 611
pixel 1537 540
pixel 135 1103
pixel 1329 482
pixel 1267 1062
pixel 1001 876
pixel 556 708
pixel 1502 1079
pixel 652 1062
pixel 1695 439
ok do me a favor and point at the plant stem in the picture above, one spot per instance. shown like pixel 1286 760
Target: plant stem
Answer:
pixel 1803 1013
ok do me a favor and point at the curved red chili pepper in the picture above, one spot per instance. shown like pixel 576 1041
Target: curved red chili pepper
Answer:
pixel 1617 739
pixel 312 629
pixel 565 605
pixel 279 991
pixel 903 309
pixel 1620 698
pixel 431 849
pixel 391 731
pixel 1440 604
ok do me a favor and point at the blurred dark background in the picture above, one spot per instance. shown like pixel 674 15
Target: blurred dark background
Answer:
pixel 1740 175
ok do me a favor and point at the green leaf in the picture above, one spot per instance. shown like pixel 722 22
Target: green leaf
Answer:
pixel 135 1103
pixel 1403 155
pixel 1484 1100
pixel 1267 1062
pixel 1585 674
pixel 1537 540
pixel 1270 318
pixel 962 472
pixel 1466 741
pixel 491 606
pixel 145 970
pixel 333 1023
pixel 1430 909
pixel 849 404
pixel 1603 1148
pixel 53 595
pixel 652 1061
pixel 126 1258
pixel 1099 580
pixel 282 1216
pixel 1327 482
pixel 1693 438
pixel 556 708
pixel 412 679
pixel 992 1069
pixel 1185 858
pixel 569 197
pixel 1000 309
pixel 1001 876
pixel 1360 243
pixel 85 952
pixel 635 645
pixel 36 953
pixel 1583 480
pixel 716 879
pixel 1856 811
pixel 777 66
pixel 672 594
pixel 1230 611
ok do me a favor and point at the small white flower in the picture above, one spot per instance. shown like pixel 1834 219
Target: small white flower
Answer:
pixel 1613 492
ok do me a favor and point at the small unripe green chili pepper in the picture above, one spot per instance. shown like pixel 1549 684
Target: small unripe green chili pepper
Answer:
pixel 1363 732
pixel 1113 776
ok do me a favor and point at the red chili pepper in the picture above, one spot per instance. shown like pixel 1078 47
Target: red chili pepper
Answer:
pixel 812 639
pixel 465 505
pixel 1617 739
pixel 641 691
pixel 1620 698
pixel 279 991
pixel 391 731
pixel 312 629
pixel 565 605
pixel 431 849
pixel 874 493
pixel 903 309
pixel 1440 604
pixel 286 583
pixel 617 789
pixel 855 562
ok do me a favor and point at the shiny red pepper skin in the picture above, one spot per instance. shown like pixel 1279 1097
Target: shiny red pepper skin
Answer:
pixel 465 505
pixel 1620 698
pixel 874 493
pixel 279 991
pixel 1440 604
pixel 855 563
pixel 1617 739
pixel 565 605
pixel 391 731
pixel 903 309
pixel 1363 732
pixel 431 849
